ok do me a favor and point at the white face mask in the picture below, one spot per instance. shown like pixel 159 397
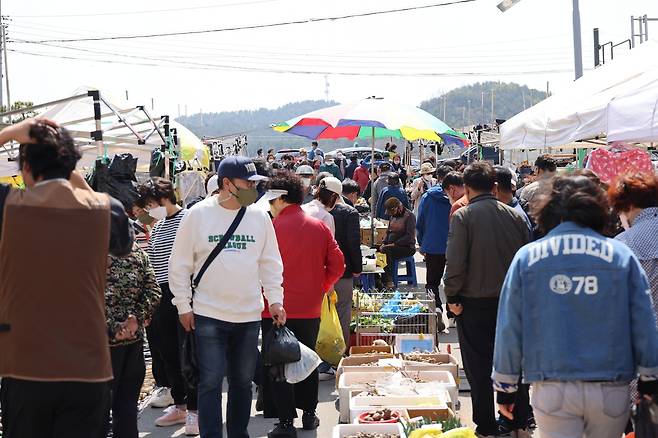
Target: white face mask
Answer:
pixel 158 213
pixel 427 177
pixel 306 182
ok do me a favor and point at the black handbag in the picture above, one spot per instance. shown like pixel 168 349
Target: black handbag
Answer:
pixel 189 363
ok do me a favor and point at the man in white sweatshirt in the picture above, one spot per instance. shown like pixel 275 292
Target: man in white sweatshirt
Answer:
pixel 225 312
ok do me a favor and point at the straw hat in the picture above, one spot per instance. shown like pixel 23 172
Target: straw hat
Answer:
pixel 426 168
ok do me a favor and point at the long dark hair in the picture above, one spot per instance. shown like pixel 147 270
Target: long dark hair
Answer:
pixel 572 198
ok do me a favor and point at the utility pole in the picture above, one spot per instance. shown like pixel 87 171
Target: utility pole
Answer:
pixel 4 45
pixel 524 107
pixel 126 94
pixel 469 112
pixel 482 108
pixel 492 106
pixel 577 44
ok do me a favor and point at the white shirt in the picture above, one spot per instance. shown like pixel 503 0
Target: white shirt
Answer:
pixel 230 289
pixel 317 210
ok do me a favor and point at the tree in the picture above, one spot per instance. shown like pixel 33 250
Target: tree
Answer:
pixel 19 105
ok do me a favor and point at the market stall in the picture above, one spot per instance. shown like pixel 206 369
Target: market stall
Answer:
pixel 616 100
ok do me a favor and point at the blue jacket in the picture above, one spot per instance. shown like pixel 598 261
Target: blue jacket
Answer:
pixel 433 221
pixel 574 307
pixel 391 192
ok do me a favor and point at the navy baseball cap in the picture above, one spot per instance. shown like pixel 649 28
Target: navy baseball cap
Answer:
pixel 235 166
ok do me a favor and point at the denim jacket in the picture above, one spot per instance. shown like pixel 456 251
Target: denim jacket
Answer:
pixel 574 306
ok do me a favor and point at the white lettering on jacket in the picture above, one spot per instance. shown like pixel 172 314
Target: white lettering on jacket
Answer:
pixel 570 244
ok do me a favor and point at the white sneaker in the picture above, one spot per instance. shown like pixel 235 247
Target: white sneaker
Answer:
pixel 328 375
pixel 161 398
pixel 172 416
pixel 192 424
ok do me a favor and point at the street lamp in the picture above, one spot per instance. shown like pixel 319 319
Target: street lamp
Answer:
pixel 577 44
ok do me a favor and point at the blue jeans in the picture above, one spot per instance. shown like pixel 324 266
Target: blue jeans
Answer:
pixel 225 349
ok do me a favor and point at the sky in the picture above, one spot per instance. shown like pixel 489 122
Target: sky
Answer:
pixel 450 45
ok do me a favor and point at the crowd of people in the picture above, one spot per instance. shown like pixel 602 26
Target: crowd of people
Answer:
pixel 551 281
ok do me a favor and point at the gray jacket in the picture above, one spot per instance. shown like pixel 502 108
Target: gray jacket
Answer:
pixel 483 239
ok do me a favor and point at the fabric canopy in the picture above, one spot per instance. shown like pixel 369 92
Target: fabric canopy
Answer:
pixel 617 100
pixel 357 119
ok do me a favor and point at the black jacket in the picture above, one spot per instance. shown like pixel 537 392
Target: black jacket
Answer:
pixel 348 236
pixel 482 241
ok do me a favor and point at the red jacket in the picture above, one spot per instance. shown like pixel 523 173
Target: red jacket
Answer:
pixel 312 262
pixel 362 176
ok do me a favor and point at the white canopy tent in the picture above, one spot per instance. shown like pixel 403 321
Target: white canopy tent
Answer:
pixel 617 101
pixel 101 128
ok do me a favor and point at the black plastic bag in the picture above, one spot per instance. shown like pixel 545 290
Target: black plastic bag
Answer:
pixel 280 346
pixel 189 363
pixel 645 419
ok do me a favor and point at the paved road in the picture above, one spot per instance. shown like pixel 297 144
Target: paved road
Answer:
pixel 327 412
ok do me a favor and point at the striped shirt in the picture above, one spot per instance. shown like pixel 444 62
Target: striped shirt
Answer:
pixel 161 243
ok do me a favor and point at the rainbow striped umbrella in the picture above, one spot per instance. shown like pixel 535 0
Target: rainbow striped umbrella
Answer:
pixel 371 117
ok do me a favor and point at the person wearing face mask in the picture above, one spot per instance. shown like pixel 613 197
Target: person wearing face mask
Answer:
pixel 312 264
pixel 306 173
pixel 165 334
pixel 422 184
pixel 331 167
pixel 400 240
pixel 225 310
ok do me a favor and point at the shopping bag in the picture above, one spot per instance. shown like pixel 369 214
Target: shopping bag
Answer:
pixel 280 346
pixel 297 371
pixel 189 363
pixel 645 419
pixel 330 345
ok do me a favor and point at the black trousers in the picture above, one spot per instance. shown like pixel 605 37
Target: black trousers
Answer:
pixel 476 328
pixel 167 335
pixel 435 264
pixel 394 253
pixel 129 370
pixel 157 365
pixel 54 409
pixel 282 399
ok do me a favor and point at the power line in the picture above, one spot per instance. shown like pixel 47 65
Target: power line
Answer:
pixel 258 26
pixel 285 50
pixel 307 61
pixel 200 66
pixel 150 11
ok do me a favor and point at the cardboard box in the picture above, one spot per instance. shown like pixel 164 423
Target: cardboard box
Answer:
pixel 355 363
pixel 432 414
pixel 344 430
pixel 439 361
pixel 362 381
pixel 361 404
pixel 368 349
pixel 366 236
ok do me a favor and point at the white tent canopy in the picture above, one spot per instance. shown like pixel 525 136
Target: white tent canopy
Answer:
pixel 617 100
pixel 133 131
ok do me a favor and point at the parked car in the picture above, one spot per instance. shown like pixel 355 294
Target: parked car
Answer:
pixel 490 154
pixel 361 151
pixel 282 152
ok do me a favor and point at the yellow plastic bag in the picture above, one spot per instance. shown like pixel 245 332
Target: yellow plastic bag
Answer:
pixel 461 432
pixel 330 345
pixel 381 260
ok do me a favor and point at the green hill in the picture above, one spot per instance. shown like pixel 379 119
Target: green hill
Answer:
pixel 471 104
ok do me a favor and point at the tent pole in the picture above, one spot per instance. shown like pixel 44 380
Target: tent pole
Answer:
pixel 165 146
pixel 372 187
